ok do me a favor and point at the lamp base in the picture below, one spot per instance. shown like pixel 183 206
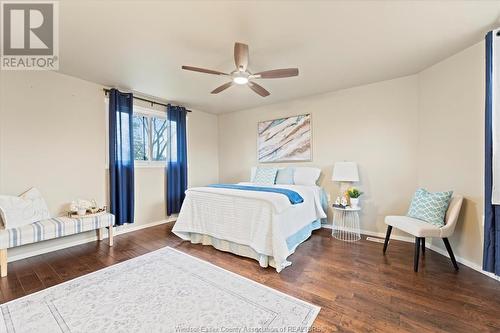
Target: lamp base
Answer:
pixel 344 186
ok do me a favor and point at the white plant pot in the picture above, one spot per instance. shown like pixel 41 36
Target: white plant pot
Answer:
pixel 354 202
pixel 81 211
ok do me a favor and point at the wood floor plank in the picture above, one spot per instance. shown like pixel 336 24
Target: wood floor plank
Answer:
pixel 358 288
pixel 45 273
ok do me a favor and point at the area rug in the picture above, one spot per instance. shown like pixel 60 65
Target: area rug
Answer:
pixel 162 291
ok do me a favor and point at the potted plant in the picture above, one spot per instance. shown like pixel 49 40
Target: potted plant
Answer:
pixel 354 195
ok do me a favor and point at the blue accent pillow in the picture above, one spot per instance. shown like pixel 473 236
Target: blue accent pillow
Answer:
pixel 430 207
pixel 284 176
pixel 265 175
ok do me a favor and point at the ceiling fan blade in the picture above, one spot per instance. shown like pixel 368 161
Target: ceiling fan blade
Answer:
pixel 278 73
pixel 241 56
pixel 223 87
pixel 202 70
pixel 258 89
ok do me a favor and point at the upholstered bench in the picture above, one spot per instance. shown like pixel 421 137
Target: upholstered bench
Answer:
pixel 50 229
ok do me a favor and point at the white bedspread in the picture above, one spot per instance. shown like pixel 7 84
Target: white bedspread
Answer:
pixel 260 220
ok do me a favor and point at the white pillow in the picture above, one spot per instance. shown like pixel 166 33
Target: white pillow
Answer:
pixel 25 209
pixel 39 204
pixel 306 176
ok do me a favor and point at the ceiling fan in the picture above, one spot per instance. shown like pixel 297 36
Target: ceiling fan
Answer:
pixel 241 75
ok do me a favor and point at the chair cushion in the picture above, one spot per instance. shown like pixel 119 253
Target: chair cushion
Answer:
pixel 430 207
pixel 415 227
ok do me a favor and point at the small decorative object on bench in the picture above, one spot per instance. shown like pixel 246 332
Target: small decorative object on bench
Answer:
pixel 88 212
pixel 83 207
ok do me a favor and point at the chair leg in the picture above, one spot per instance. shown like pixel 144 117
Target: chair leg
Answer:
pixel 450 252
pixel 417 253
pixel 423 246
pixel 387 236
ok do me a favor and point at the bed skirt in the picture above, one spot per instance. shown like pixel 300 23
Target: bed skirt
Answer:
pixel 246 251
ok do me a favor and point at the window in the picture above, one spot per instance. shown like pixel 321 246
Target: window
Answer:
pixel 141 137
pixel 150 137
pixel 159 139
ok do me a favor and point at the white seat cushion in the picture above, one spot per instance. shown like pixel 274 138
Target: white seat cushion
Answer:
pixel 415 227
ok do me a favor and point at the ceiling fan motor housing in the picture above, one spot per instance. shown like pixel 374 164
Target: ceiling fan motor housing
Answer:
pixel 240 77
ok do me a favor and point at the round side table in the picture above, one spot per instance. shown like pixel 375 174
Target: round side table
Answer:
pixel 346 224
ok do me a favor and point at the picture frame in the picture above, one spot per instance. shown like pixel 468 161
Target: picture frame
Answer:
pixel 286 139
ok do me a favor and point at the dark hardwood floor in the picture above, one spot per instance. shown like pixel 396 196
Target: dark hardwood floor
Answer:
pixel 358 289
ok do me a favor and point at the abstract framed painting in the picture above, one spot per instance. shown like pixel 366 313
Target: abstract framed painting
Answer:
pixel 285 139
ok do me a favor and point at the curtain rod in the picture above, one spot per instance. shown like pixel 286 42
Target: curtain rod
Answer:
pixel 106 91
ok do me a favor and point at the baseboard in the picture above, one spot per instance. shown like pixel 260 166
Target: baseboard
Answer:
pixel 434 248
pixel 378 234
pixel 465 262
pixel 118 231
pixel 134 227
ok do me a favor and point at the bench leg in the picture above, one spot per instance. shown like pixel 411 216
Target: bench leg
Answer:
pixel 100 234
pixel 3 262
pixel 110 236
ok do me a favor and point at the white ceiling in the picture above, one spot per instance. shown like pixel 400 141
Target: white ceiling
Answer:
pixel 141 45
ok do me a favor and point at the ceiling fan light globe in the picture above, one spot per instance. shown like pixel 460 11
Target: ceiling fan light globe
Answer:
pixel 240 80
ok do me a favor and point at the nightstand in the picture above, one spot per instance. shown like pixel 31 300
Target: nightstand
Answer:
pixel 345 225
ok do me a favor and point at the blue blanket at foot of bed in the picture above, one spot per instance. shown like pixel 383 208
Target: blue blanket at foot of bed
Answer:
pixel 293 196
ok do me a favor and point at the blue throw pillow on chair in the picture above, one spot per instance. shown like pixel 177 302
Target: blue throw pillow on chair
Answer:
pixel 430 207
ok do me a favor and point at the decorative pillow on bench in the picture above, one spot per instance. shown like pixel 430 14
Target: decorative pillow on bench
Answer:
pixel 430 207
pixel 27 208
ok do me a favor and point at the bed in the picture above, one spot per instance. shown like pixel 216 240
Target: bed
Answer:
pixel 249 222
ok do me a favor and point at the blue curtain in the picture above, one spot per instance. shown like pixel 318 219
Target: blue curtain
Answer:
pixel 121 157
pixel 491 251
pixel 176 158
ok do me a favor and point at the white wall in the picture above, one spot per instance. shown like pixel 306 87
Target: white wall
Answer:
pixel 451 141
pixel 53 134
pixel 374 125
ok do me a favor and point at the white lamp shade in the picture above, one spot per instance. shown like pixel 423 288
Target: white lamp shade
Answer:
pixel 345 172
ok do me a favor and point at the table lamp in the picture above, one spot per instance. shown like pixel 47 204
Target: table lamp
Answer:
pixel 345 173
